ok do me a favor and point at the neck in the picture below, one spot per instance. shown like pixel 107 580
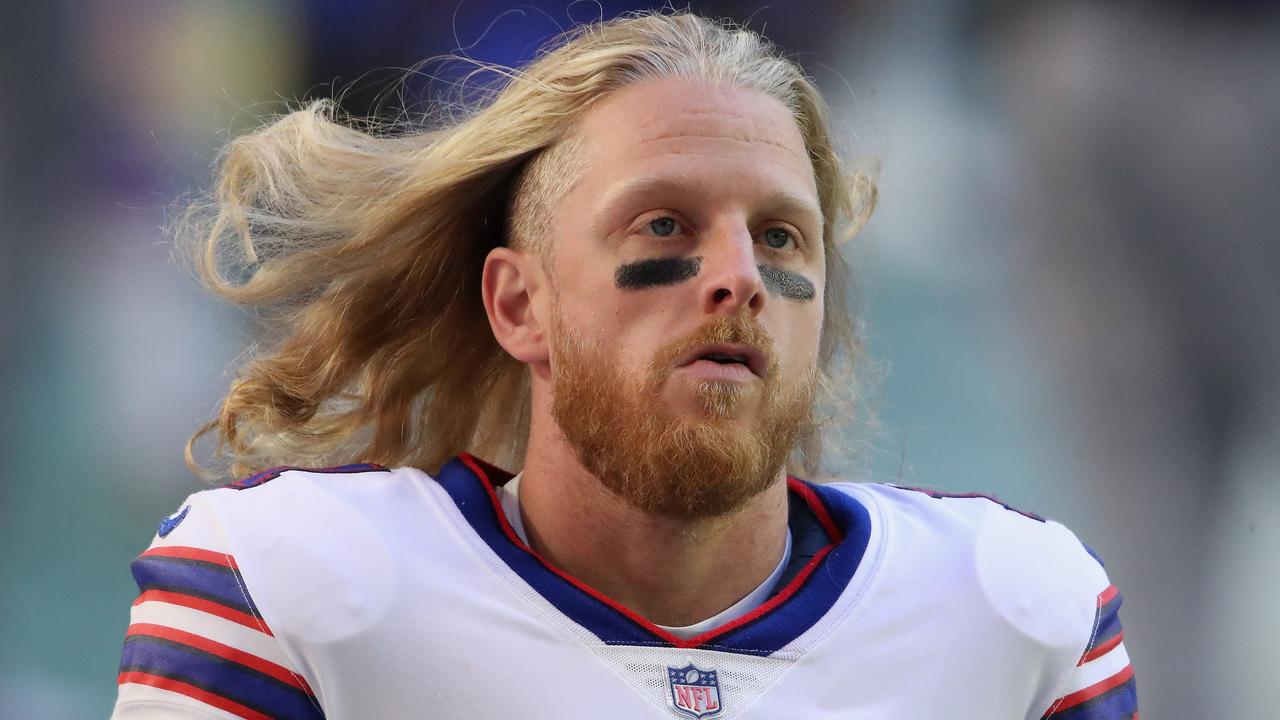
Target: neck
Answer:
pixel 672 571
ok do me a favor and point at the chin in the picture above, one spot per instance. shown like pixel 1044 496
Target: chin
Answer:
pixel 727 401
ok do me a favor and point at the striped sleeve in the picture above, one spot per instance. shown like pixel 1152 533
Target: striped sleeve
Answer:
pixel 196 644
pixel 1102 686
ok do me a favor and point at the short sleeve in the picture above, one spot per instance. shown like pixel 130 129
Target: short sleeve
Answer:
pixel 197 646
pixel 1102 686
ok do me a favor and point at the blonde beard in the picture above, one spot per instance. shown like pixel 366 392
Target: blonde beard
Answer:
pixel 678 466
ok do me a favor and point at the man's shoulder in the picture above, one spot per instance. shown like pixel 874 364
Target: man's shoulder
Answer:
pixel 1025 588
pixel 1032 574
pixel 312 553
pixel 293 516
pixel 977 520
pixel 292 495
pixel 305 473
pixel 962 508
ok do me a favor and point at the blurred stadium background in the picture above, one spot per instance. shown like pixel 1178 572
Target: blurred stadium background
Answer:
pixel 1071 276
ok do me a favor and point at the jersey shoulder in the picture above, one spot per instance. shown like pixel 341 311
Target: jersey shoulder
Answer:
pixel 207 636
pixel 277 500
pixel 317 549
pixel 1027 584
pixel 1034 573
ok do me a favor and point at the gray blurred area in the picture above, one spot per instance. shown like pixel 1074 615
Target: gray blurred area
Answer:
pixel 1071 284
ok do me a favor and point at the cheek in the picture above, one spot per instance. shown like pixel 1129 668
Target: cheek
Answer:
pixel 586 298
pixel 624 326
pixel 813 332
pixel 645 316
pixel 804 331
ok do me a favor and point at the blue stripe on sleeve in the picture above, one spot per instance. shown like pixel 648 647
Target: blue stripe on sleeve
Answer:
pixel 191 577
pixel 217 675
pixel 1108 622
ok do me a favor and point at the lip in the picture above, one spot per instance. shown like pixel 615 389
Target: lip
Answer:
pixel 755 359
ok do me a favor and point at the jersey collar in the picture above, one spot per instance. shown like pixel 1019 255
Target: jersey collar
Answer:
pixel 812 590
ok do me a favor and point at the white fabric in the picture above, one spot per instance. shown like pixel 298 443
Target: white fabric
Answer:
pixel 509 497
pixel 143 702
pixel 389 604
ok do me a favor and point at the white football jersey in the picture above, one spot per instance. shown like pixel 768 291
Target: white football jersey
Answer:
pixel 362 592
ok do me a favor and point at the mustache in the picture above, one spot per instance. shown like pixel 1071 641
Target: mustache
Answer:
pixel 734 329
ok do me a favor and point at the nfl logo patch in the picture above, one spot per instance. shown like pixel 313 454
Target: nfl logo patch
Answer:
pixel 694 692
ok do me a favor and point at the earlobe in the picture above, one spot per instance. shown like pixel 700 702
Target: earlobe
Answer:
pixel 510 282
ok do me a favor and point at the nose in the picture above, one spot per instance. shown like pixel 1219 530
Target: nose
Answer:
pixel 730 279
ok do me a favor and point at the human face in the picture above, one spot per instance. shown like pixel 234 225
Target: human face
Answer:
pixel 698 202
pixel 696 230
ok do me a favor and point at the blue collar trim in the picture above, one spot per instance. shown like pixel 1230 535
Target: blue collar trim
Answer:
pixel 792 610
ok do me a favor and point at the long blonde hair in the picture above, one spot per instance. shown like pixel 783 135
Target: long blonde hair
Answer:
pixel 361 250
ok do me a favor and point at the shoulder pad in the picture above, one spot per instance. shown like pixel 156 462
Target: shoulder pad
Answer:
pixel 939 495
pixel 1039 577
pixel 275 472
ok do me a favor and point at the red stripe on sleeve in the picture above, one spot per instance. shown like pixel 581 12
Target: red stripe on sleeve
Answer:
pixel 1108 595
pixel 191 691
pixel 190 553
pixel 226 652
pixel 1106 647
pixel 1094 690
pixel 203 605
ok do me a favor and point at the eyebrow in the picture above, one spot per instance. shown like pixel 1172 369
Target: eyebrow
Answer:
pixel 779 202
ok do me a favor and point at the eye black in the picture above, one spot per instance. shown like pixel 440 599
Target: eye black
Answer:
pixel 776 237
pixel 662 226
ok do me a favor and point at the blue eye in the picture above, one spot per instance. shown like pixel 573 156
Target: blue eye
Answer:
pixel 663 226
pixel 777 238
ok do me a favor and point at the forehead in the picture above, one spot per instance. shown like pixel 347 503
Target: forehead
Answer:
pixel 674 126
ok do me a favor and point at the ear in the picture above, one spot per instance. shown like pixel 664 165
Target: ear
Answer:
pixel 511 286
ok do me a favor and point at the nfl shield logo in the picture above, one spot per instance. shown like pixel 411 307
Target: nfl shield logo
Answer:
pixel 694 692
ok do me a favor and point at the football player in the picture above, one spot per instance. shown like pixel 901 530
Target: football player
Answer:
pixel 623 278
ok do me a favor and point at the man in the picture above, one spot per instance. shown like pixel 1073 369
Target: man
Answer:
pixel 648 218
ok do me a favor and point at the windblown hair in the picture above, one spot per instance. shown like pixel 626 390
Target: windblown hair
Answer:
pixel 361 249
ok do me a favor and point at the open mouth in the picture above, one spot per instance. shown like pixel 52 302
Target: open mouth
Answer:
pixel 725 359
pixel 726 354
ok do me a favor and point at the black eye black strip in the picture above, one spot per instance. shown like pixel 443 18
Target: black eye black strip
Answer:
pixel 656 272
pixel 786 283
